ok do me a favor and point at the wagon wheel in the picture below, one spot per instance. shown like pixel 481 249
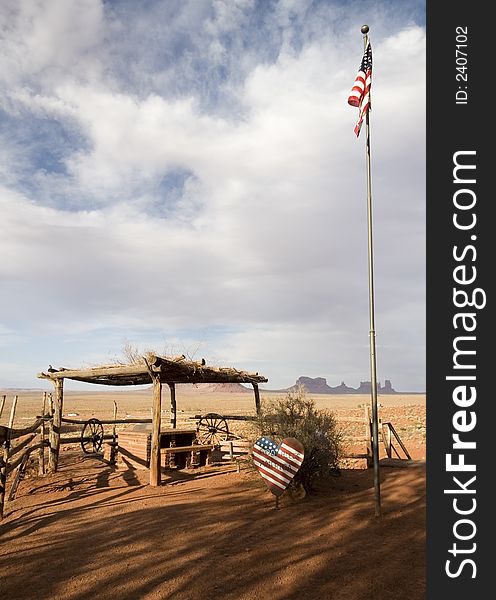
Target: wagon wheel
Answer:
pixel 92 437
pixel 212 429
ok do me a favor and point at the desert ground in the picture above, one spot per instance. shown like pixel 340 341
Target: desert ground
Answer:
pixel 93 530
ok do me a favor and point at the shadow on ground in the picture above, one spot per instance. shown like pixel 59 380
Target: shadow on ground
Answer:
pixel 91 531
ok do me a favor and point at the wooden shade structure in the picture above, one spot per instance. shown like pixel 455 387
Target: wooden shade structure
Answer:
pixel 155 370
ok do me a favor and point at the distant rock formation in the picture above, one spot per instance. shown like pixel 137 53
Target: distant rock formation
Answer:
pixel 318 385
pixel 315 385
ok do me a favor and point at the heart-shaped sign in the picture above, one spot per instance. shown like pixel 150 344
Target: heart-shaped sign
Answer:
pixel 278 463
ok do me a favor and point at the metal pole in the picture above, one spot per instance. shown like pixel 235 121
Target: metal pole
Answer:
pixel 373 369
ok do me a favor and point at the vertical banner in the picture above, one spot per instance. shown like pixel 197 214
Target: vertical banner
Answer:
pixel 461 256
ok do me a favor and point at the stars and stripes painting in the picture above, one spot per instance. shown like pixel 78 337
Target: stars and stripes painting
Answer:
pixel 360 93
pixel 278 463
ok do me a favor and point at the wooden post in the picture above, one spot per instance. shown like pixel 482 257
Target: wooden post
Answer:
pixel 156 422
pixel 53 458
pixel 388 439
pixel 2 404
pixel 398 439
pixel 41 461
pixel 113 448
pixel 368 437
pixel 12 412
pixel 173 411
pixel 257 398
pixel 5 458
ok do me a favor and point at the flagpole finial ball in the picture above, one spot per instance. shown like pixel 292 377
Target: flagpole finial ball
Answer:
pixel 364 29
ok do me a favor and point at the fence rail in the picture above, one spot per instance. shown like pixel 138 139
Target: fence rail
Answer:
pixel 25 446
pixel 34 437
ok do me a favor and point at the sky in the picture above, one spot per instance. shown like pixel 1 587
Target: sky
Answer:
pixel 182 176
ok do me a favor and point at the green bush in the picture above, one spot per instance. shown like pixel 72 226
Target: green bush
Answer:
pixel 296 416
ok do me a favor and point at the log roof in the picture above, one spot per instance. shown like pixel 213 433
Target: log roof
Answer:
pixel 169 369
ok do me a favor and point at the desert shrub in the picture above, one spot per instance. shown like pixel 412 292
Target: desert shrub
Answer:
pixel 296 416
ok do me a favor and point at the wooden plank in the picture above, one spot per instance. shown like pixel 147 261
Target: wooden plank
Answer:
pixel 2 404
pixel 132 460
pixel 133 443
pixel 177 449
pixel 77 440
pixel 134 437
pixel 173 432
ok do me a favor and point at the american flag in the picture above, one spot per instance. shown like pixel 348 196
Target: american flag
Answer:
pixel 360 93
pixel 278 463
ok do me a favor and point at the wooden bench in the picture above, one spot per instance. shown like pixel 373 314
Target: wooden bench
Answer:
pixel 194 454
pixel 236 451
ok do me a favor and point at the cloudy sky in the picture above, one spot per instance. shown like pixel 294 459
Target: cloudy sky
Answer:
pixel 182 175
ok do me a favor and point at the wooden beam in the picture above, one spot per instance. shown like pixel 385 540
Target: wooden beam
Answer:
pixel 155 442
pixel 105 421
pixel 105 371
pixel 175 370
pixel 54 437
pixel 12 466
pixel 173 407
pixel 17 433
pixel 2 404
pixel 22 443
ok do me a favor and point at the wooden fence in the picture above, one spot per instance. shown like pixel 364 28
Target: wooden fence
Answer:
pixel 388 436
pixel 26 441
pixel 17 445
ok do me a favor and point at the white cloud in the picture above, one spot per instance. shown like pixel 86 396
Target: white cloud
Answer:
pixel 45 40
pixel 241 226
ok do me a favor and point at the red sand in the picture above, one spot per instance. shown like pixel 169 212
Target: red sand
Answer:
pixel 91 531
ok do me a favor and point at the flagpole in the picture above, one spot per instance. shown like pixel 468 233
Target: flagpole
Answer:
pixel 373 367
